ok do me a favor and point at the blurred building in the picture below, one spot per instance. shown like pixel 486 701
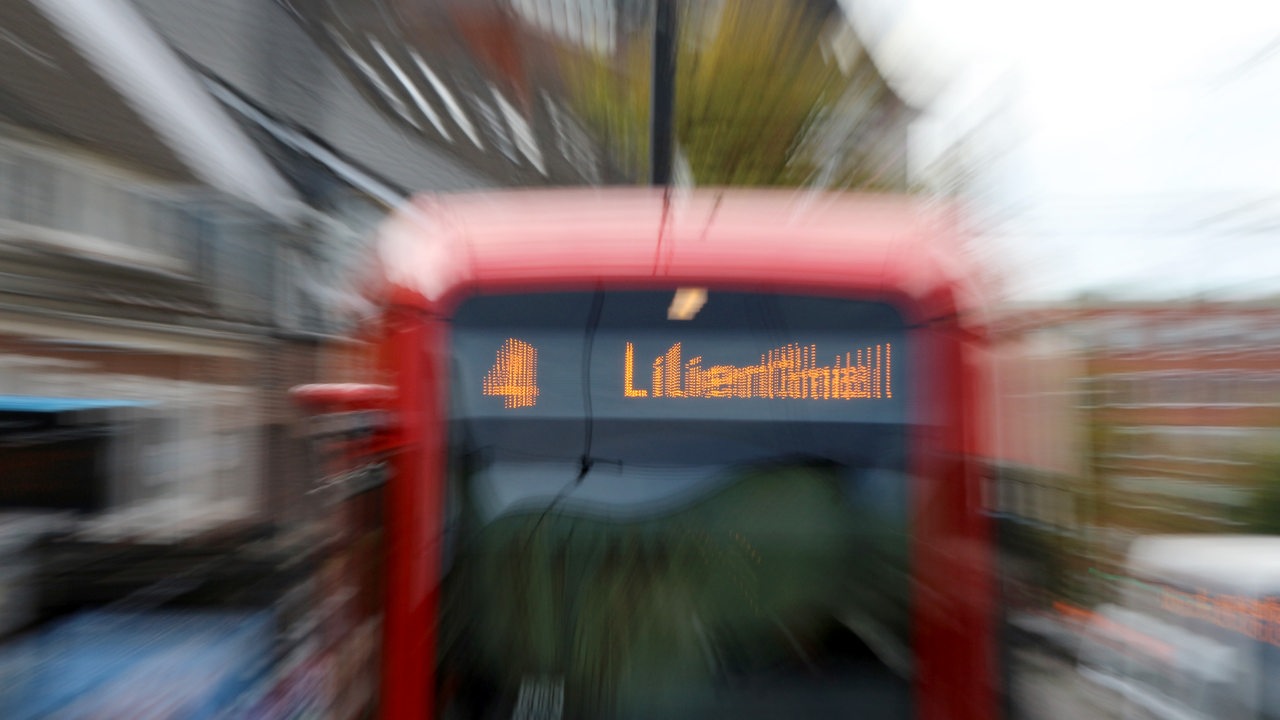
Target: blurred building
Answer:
pixel 137 257
pixel 1040 462
pixel 185 199
pixel 187 195
pixel 1185 401
pixel 1174 407
pixel 1039 426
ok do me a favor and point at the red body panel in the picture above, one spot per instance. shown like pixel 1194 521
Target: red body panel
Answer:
pixel 350 396
pixel 415 515
pixel 437 251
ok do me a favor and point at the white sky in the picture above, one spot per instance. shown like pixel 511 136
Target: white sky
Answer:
pixel 1140 139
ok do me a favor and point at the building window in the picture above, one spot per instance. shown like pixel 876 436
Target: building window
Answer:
pixel 1129 391
pixel 35 191
pixel 1090 392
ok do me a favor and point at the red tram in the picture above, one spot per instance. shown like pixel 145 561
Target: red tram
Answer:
pixel 715 455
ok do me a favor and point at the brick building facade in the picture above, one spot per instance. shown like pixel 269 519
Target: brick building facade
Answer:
pixel 1174 406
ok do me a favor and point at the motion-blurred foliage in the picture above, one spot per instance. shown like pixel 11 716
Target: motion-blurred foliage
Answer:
pixel 1263 513
pixel 758 86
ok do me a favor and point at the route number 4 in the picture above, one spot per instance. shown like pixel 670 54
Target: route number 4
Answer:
pixel 514 375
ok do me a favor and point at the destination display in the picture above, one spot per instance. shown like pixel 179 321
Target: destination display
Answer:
pixel 790 372
pixel 807 358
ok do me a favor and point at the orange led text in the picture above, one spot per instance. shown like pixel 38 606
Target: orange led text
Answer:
pixel 514 375
pixel 791 371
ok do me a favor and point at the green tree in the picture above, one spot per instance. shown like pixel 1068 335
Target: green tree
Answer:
pixel 1262 515
pixel 761 100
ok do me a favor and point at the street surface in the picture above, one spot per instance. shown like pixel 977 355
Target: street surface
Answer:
pixel 1047 687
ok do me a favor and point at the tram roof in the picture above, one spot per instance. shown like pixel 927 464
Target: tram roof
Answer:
pixel 841 243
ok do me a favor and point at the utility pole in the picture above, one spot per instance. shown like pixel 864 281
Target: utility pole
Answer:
pixel 663 91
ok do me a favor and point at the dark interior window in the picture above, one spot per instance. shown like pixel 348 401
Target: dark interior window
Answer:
pixel 655 517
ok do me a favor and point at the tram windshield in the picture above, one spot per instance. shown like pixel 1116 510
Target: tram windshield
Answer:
pixel 677 504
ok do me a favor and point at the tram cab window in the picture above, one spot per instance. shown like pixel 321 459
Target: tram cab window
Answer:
pixel 696 517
